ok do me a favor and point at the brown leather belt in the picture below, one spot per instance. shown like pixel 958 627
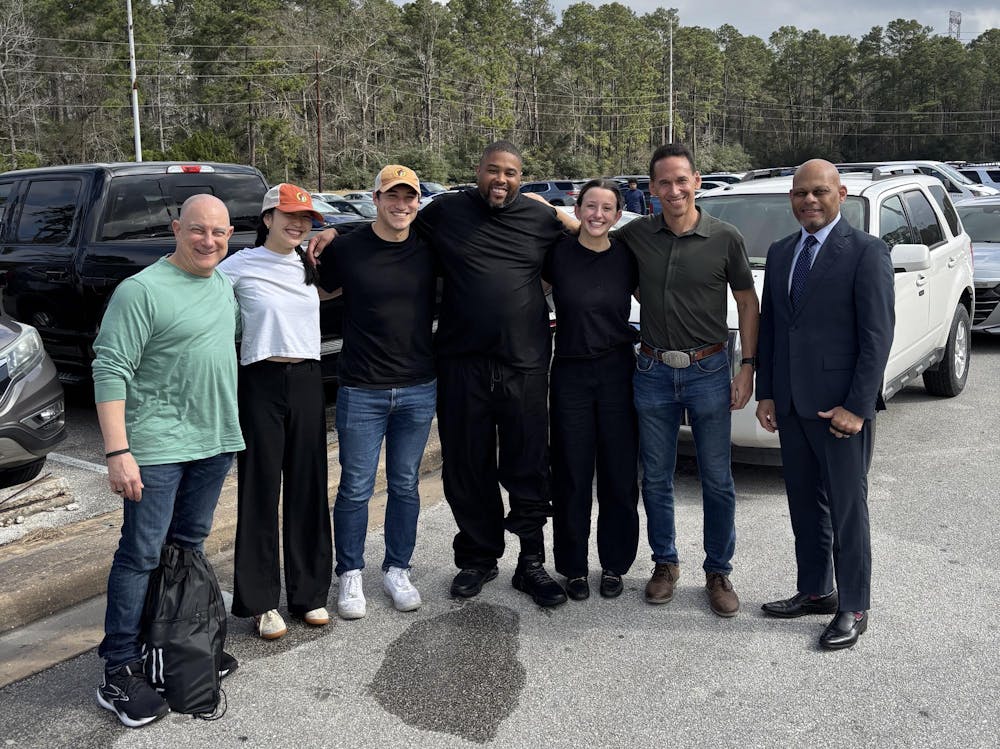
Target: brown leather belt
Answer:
pixel 681 359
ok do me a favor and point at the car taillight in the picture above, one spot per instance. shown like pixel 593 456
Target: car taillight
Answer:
pixel 189 169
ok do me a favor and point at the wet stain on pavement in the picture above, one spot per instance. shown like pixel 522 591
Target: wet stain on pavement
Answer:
pixel 456 673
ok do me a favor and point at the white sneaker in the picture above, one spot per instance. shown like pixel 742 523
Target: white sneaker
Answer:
pixel 397 585
pixel 270 625
pixel 351 598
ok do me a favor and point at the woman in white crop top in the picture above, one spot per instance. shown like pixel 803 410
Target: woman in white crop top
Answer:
pixel 283 419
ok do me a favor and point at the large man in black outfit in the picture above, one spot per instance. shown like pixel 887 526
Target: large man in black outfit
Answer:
pixel 493 350
pixel 826 327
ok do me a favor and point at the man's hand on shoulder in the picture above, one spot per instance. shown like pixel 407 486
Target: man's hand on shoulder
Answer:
pixel 318 243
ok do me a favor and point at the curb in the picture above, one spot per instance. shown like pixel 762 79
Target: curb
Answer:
pixel 43 576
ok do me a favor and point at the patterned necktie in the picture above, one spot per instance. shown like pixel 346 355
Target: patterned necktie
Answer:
pixel 801 273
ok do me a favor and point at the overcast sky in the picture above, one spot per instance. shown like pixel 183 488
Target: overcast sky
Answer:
pixel 848 17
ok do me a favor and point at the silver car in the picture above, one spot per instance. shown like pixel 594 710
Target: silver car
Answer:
pixel 32 410
pixel 981 219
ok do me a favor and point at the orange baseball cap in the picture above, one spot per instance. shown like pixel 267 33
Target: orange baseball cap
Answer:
pixel 290 198
pixel 396 174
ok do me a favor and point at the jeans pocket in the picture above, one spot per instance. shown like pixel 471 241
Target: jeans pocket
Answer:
pixel 713 363
pixel 643 363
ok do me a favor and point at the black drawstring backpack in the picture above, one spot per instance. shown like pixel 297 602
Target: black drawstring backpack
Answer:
pixel 183 632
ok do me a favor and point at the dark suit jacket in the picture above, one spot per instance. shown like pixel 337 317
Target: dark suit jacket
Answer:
pixel 832 350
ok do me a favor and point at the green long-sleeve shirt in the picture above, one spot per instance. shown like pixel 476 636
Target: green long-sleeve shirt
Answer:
pixel 166 347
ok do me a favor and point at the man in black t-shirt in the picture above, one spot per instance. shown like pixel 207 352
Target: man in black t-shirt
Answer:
pixel 493 350
pixel 387 385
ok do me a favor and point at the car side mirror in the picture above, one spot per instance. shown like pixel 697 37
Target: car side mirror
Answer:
pixel 911 257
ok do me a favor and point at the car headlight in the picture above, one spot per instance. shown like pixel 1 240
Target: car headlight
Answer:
pixel 23 352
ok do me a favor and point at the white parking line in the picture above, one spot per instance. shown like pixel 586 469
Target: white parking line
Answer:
pixel 77 463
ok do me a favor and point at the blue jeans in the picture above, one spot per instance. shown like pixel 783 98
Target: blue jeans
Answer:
pixel 401 416
pixel 177 506
pixel 662 395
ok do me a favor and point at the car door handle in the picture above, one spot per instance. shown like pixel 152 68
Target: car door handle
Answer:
pixel 921 280
pixel 952 262
pixel 56 275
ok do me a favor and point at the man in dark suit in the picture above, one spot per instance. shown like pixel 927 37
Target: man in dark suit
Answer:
pixel 826 327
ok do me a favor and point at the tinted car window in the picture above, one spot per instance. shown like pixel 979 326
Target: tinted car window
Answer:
pixel 893 226
pixel 947 209
pixel 564 185
pixel 982 222
pixel 972 174
pixel 144 205
pixel 924 220
pixel 533 187
pixel 765 218
pixel 993 174
pixel 48 211
pixel 5 188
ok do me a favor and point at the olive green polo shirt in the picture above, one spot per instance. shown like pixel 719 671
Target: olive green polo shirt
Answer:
pixel 683 280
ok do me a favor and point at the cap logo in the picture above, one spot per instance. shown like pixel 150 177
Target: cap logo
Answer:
pixel 400 172
pixel 300 197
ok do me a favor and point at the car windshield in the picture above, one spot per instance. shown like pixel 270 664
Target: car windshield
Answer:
pixel 982 222
pixel 323 207
pixel 955 175
pixel 764 218
pixel 434 187
pixel 365 208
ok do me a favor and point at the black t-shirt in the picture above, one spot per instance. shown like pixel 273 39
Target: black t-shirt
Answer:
pixel 389 290
pixel 492 301
pixel 592 292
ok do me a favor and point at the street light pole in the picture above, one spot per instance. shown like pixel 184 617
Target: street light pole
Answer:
pixel 135 83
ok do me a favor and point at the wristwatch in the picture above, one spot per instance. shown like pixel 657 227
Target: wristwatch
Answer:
pixel 751 360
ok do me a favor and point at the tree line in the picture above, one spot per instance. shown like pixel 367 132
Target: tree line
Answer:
pixel 325 91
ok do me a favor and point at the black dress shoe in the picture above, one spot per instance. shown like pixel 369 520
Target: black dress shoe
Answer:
pixel 844 630
pixel 470 582
pixel 801 604
pixel 611 584
pixel 578 588
pixel 530 577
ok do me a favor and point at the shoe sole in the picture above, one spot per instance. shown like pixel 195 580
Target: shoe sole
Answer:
pixel 351 615
pixel 405 606
pixel 611 593
pixel 782 615
pixel 125 720
pixel 273 635
pixel 491 575
pixel 724 614
pixel 659 601
pixel 317 622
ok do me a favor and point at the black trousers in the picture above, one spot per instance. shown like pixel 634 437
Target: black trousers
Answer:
pixel 483 405
pixel 826 479
pixel 594 423
pixel 284 426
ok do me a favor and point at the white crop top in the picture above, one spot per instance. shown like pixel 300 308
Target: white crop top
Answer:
pixel 280 313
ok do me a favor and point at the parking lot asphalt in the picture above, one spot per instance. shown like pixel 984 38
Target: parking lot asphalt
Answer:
pixel 500 671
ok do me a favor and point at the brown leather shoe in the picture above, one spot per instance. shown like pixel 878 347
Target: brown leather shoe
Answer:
pixel 721 596
pixel 660 588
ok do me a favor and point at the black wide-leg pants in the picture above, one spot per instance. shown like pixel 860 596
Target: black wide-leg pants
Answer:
pixel 284 426
pixel 594 424
pixel 482 405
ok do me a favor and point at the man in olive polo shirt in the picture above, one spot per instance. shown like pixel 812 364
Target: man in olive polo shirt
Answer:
pixel 687 261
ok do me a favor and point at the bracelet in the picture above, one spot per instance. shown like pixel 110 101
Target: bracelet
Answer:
pixel 113 453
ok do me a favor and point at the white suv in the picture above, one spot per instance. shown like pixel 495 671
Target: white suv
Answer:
pixel 932 257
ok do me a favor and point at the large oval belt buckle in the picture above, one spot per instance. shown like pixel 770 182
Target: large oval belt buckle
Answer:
pixel 676 359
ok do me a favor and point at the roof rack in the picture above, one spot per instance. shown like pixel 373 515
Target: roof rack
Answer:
pixel 894 170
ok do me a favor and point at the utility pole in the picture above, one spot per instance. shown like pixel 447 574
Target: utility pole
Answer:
pixel 670 116
pixel 135 83
pixel 319 131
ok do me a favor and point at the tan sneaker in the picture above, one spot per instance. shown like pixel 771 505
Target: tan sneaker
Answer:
pixel 317 617
pixel 721 596
pixel 660 588
pixel 270 625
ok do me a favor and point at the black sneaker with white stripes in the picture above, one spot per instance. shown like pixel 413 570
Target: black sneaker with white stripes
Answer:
pixel 127 694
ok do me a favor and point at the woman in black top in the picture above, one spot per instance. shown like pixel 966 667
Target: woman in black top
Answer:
pixel 592 415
